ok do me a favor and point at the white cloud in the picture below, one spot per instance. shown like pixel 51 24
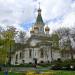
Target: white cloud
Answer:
pixel 15 12
pixel 58 13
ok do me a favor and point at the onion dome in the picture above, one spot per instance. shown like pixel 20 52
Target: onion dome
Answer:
pixel 32 31
pixel 47 28
pixel 36 27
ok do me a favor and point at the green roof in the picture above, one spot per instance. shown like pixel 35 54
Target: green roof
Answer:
pixel 39 19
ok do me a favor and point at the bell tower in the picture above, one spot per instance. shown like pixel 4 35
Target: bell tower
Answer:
pixel 39 24
pixel 39 21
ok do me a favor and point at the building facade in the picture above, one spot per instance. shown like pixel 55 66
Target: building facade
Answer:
pixel 38 46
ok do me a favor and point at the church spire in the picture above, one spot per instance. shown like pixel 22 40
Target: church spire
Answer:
pixel 39 17
pixel 39 4
pixel 39 10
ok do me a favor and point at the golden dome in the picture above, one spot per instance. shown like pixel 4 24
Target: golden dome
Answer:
pixel 47 28
pixel 32 31
pixel 36 27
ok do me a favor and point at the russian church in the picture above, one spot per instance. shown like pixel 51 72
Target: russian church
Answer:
pixel 38 47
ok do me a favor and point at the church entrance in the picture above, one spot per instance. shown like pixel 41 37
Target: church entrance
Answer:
pixel 35 61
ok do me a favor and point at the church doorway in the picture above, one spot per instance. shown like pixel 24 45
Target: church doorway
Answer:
pixel 35 61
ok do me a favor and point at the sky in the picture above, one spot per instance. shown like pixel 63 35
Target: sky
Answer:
pixel 22 13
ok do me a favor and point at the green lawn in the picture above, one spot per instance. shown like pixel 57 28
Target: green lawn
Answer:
pixel 55 73
pixel 10 73
pixel 65 73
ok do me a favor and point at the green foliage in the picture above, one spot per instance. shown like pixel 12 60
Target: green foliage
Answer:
pixel 6 43
pixel 54 37
pixel 3 52
pixel 65 63
pixel 21 65
pixel 55 41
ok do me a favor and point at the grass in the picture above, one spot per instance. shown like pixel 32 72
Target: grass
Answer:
pixel 44 73
pixel 65 73
pixel 11 73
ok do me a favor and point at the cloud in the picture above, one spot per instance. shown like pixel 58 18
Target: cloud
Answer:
pixel 15 12
pixel 22 13
pixel 59 13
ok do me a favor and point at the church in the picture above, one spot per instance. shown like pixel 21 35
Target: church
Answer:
pixel 37 48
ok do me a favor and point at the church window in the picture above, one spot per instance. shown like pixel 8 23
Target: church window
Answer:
pixel 20 55
pixel 16 61
pixel 16 57
pixel 30 53
pixel 42 54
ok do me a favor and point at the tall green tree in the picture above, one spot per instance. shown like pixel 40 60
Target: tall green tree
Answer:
pixel 9 35
pixel 3 54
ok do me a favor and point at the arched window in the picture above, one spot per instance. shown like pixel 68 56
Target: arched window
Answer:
pixel 42 53
pixel 16 57
pixel 30 53
pixel 20 55
pixel 16 61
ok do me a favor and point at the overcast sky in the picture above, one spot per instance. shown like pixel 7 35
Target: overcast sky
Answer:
pixel 22 13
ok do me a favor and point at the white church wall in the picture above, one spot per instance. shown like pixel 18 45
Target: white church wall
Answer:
pixel 56 55
pixel 19 61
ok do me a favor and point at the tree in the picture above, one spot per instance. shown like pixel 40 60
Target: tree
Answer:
pixel 3 53
pixel 9 35
pixel 22 36
pixel 54 43
pixel 65 41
